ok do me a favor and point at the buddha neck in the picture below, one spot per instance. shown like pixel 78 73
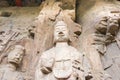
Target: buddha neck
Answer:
pixel 61 44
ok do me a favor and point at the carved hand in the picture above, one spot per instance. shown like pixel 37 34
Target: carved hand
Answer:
pixel 46 65
pixel 47 62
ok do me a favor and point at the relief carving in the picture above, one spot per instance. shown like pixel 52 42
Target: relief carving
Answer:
pixel 9 71
pixel 62 62
pixel 106 33
pixel 88 53
pixel 7 38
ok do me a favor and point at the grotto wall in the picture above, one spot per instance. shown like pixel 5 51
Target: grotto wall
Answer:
pixel 93 32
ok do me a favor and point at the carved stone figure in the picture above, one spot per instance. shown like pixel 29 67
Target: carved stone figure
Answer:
pixel 8 71
pixel 106 32
pixel 62 62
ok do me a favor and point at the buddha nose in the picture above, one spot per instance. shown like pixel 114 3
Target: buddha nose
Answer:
pixel 17 58
pixel 60 32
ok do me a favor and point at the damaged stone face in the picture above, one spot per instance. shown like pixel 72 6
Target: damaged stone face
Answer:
pixel 102 26
pixel 16 55
pixel 8 71
pixel 107 29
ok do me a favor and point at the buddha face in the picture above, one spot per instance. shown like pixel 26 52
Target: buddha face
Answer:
pixel 16 55
pixel 61 32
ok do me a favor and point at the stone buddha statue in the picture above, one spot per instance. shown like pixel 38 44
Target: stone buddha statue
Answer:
pixel 62 62
pixel 8 71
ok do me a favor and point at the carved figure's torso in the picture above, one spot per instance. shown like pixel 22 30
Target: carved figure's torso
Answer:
pixel 7 73
pixel 63 62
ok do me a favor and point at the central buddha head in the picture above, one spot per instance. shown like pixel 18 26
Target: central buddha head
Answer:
pixel 61 32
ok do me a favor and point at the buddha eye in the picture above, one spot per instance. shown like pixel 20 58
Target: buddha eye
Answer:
pixel 63 30
pixel 57 31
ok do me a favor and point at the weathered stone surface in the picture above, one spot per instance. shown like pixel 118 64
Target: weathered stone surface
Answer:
pixel 8 71
pixel 14 30
pixel 45 22
pixel 62 61
pixel 97 37
pixel 89 19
